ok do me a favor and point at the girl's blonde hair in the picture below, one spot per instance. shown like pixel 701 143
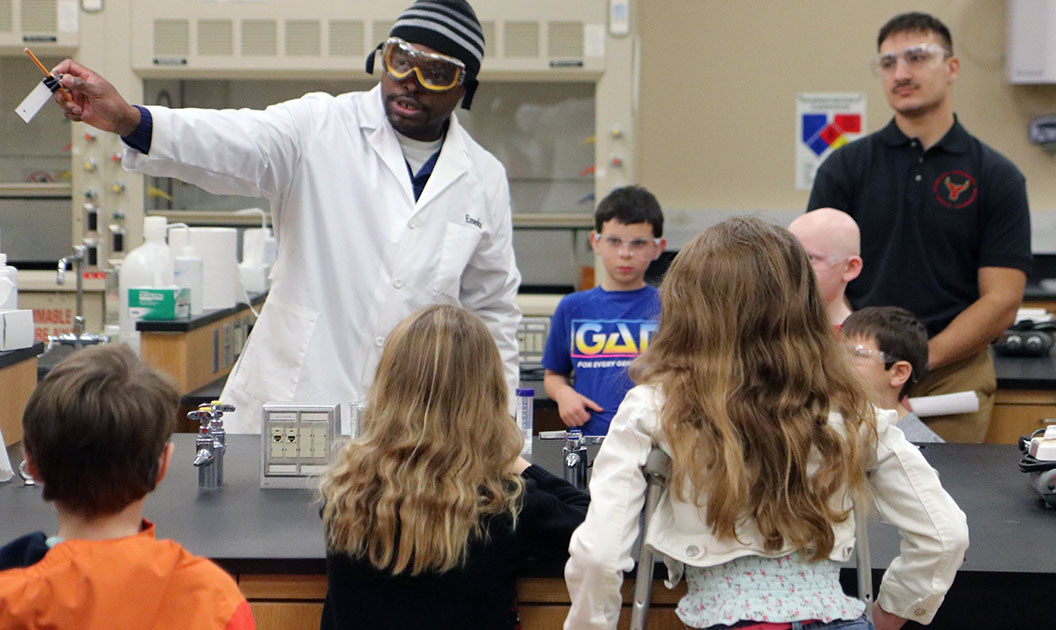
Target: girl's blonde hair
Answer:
pixel 436 452
pixel 750 367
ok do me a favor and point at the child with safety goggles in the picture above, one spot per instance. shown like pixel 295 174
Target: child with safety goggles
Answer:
pixel 595 334
pixel 889 347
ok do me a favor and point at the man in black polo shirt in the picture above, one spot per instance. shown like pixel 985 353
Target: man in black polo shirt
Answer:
pixel 944 219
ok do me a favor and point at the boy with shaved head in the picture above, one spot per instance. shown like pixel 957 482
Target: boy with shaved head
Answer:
pixel 832 242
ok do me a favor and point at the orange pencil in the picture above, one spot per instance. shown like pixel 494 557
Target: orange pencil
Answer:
pixel 64 91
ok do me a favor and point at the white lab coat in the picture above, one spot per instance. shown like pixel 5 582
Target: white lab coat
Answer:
pixel 356 253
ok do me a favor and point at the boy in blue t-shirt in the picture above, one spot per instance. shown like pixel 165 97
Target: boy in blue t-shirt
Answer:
pixel 597 333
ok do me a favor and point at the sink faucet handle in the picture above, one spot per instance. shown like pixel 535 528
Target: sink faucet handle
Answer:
pixel 202 417
pixel 209 415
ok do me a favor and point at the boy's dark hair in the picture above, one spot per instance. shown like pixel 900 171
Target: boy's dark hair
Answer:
pixel 915 22
pixel 629 205
pixel 897 333
pixel 95 428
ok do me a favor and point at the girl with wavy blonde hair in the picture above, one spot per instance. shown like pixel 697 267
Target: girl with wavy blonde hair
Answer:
pixel 430 511
pixel 771 436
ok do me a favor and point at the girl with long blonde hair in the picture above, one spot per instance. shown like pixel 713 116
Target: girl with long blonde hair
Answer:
pixel 429 513
pixel 772 440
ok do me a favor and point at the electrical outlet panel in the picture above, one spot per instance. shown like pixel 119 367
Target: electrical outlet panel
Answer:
pixel 297 443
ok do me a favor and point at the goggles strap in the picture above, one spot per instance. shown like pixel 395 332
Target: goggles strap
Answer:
pixel 470 85
pixel 370 58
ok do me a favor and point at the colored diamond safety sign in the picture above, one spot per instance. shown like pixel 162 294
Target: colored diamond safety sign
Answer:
pixel 824 123
pixel 822 131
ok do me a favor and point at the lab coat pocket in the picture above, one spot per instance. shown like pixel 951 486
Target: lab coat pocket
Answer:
pixel 270 368
pixel 460 241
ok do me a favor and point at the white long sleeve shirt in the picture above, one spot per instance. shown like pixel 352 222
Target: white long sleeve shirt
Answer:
pixel 905 491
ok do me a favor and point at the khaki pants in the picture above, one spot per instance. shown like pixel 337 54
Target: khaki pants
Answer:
pixel 976 373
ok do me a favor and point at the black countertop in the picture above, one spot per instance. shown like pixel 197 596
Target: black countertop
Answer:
pixel 1025 372
pixel 1039 292
pixel 1005 581
pixel 11 357
pixel 248 529
pixel 243 528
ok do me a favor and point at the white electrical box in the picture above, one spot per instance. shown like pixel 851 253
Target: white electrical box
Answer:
pixel 297 443
pixel 531 340
pixel 1031 44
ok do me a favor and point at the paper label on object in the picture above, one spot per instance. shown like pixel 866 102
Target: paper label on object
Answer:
pixel 34 102
pixel 594 40
pixel 68 15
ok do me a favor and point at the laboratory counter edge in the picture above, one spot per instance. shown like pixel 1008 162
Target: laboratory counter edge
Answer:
pixel 11 357
pixel 271 540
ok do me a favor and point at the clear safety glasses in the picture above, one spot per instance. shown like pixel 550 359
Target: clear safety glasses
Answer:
pixel 868 355
pixel 818 259
pixel 435 72
pixel 633 245
pixel 919 56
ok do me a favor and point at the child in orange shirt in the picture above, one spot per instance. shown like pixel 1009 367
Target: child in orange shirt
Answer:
pixel 97 438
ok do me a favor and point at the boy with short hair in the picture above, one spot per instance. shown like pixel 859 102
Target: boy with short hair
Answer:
pixel 890 349
pixel 96 436
pixel 595 334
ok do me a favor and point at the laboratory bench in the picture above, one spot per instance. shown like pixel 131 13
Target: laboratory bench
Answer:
pixel 18 378
pixel 271 541
pixel 196 351
pixel 1025 398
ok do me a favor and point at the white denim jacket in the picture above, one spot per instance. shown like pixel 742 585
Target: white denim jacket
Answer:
pixel 905 490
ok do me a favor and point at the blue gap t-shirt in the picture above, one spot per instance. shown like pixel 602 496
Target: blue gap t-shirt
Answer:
pixel 594 335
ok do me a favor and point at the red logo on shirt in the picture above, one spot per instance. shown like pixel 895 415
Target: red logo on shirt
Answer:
pixel 955 189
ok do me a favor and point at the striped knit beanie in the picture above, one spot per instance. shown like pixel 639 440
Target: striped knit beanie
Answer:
pixel 449 27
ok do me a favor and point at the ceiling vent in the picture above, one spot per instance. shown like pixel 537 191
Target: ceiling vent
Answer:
pixel 259 38
pixel 40 16
pixel 564 40
pixel 379 31
pixel 521 39
pixel 489 38
pixel 172 38
pixel 303 38
pixel 346 38
pixel 7 23
pixel 216 38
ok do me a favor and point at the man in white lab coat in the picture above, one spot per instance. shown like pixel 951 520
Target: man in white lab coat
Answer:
pixel 382 203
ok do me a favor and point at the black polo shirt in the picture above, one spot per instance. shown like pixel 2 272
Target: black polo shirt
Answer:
pixel 929 219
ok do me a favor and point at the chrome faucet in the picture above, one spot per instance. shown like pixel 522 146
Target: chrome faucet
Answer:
pixel 577 459
pixel 78 338
pixel 211 443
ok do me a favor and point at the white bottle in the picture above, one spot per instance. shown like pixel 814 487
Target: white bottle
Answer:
pixel 149 265
pixel 8 285
pixel 189 271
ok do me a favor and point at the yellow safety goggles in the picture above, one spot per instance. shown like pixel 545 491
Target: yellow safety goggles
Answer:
pixel 435 72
